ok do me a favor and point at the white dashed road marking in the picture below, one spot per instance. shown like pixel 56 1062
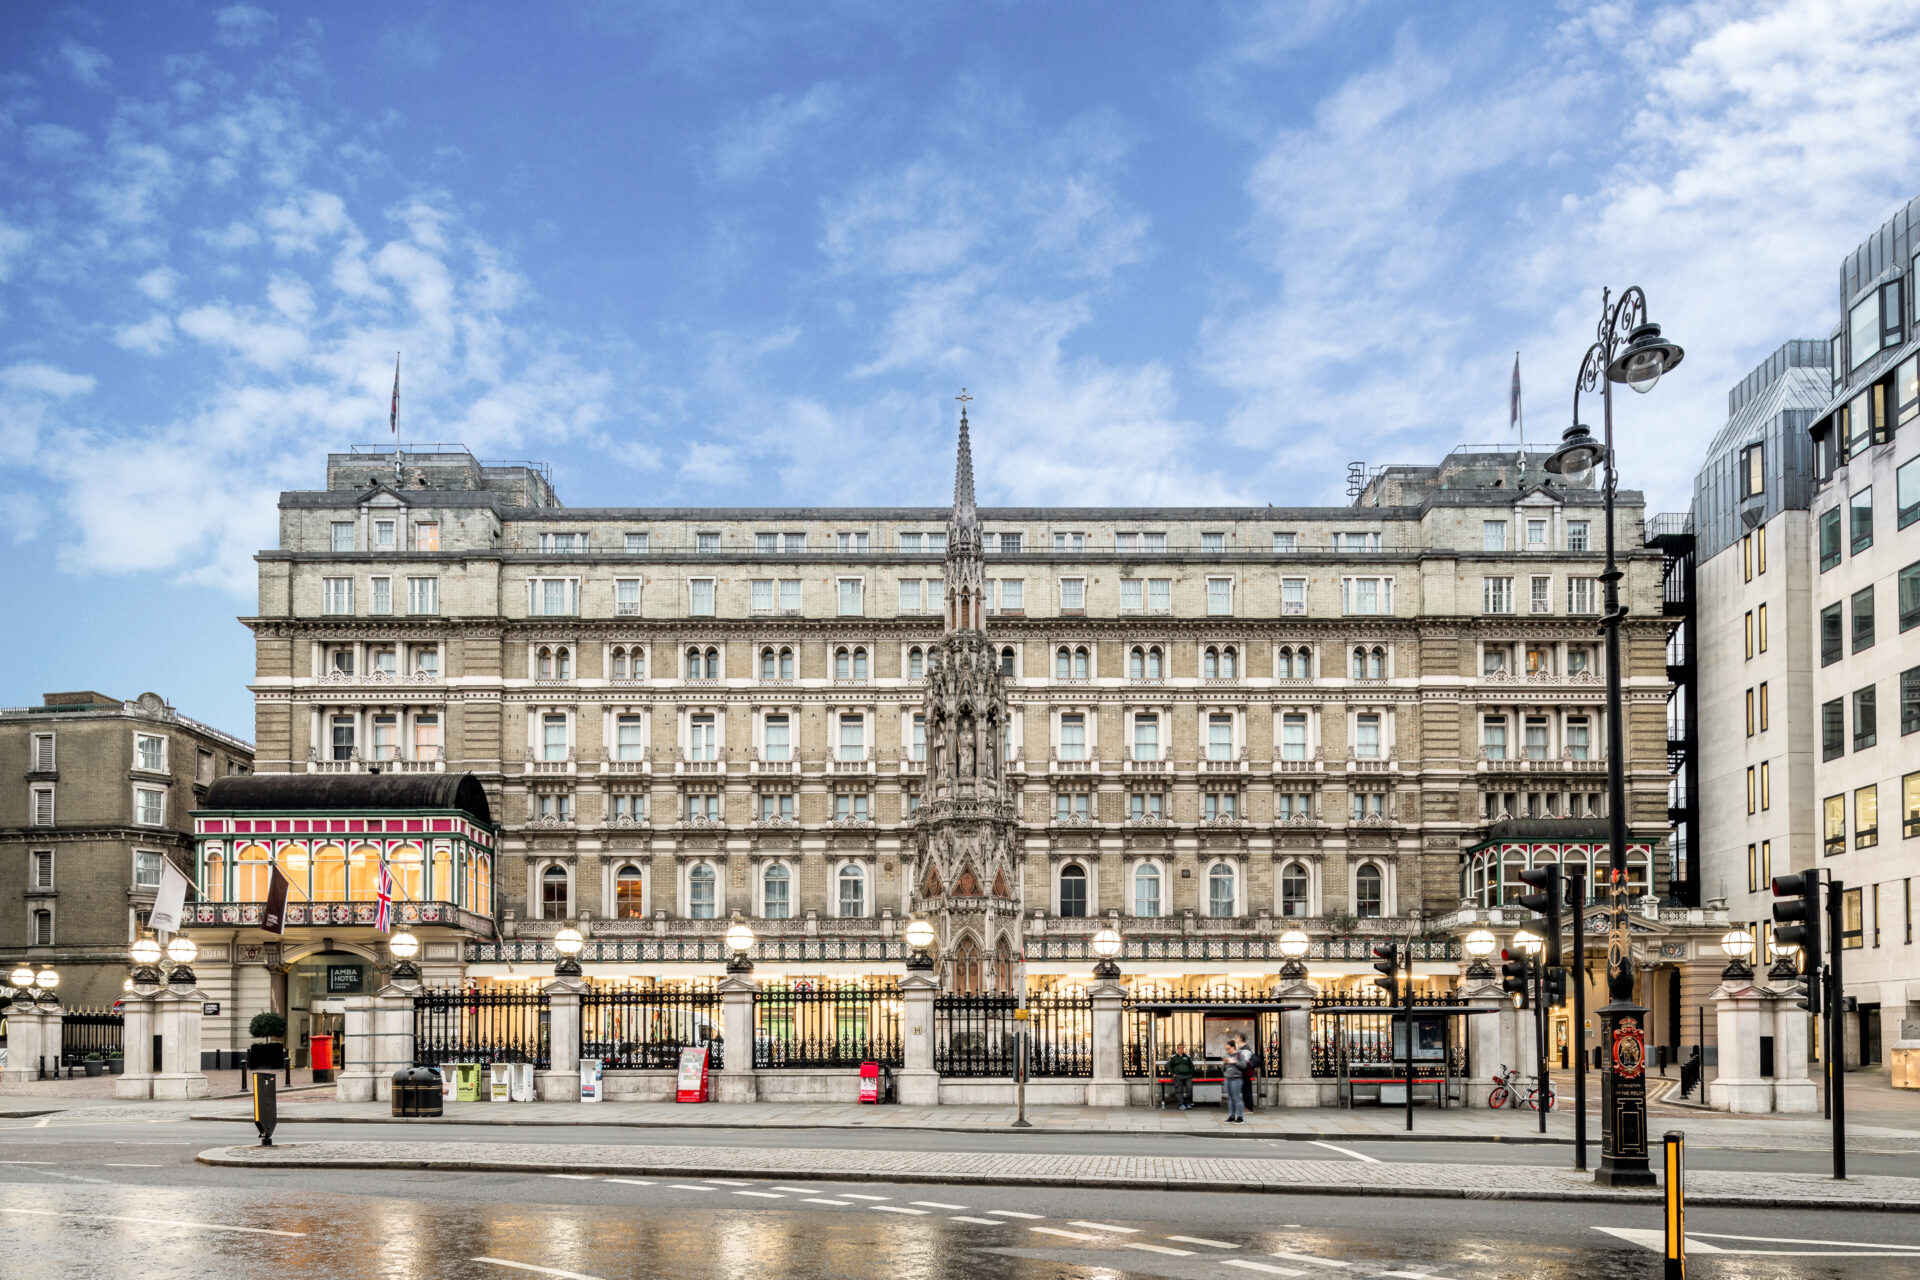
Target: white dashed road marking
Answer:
pixel 837 1203
pixel 1101 1226
pixel 798 1191
pixel 935 1204
pixel 1211 1244
pixel 630 1182
pixel 108 1164
pixel 545 1271
pixel 1071 1235
pixel 158 1222
pixel 686 1186
pixel 1264 1268
pixel 764 1195
pixel 894 1208
pixel 855 1195
pixel 1015 1213
pixel 984 1222
pixel 1411 1275
pixel 1307 1257
pixel 1347 1152
pixel 726 1182
pixel 1156 1248
pixel 573 1177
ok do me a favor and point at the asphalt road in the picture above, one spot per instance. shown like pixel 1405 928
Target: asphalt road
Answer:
pixel 136 1206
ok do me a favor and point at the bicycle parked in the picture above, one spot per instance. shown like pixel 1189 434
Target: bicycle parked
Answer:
pixel 1507 1086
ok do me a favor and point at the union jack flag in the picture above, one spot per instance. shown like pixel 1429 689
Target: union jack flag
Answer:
pixel 383 915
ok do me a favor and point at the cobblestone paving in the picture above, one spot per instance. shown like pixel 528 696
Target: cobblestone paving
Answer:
pixel 1130 1171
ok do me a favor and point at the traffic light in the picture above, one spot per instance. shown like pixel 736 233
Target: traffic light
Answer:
pixel 1797 923
pixel 1556 982
pixel 1516 977
pixel 1548 902
pixel 1388 964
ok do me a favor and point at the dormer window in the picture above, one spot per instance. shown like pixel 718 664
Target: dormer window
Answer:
pixel 383 535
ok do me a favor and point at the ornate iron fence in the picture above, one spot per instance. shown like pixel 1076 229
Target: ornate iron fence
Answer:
pixel 826 1026
pixel 1350 1044
pixel 1148 1036
pixel 85 1031
pixel 457 1025
pixel 647 1027
pixel 976 1035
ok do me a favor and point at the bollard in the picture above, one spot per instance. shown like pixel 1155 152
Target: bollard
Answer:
pixel 1676 1144
pixel 265 1112
pixel 1020 1069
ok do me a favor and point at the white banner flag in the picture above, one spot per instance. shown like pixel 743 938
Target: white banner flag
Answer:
pixel 170 901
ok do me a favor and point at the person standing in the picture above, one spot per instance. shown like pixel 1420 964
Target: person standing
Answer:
pixel 1234 1073
pixel 1180 1069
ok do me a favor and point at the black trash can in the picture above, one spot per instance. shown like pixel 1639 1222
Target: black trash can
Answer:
pixel 416 1092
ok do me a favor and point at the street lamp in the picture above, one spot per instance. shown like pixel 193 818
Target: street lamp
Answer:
pixel 47 980
pixel 568 943
pixel 182 950
pixel 404 946
pixel 1627 348
pixel 739 943
pixel 146 959
pixel 1106 945
pixel 22 978
pixel 1528 942
pixel 1480 944
pixel 920 937
pixel 1738 944
pixel 1294 945
pixel 1786 959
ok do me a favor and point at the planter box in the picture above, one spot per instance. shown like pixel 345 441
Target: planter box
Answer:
pixel 116 1066
pixel 95 1069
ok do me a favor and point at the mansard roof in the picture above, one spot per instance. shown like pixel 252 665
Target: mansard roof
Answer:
pixel 316 792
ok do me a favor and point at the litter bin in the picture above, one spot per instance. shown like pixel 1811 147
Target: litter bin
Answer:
pixel 500 1082
pixel 321 1049
pixel 523 1082
pixel 417 1092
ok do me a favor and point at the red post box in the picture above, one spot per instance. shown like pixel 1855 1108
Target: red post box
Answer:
pixel 320 1050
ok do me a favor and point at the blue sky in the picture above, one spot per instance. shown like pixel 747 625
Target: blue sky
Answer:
pixel 745 253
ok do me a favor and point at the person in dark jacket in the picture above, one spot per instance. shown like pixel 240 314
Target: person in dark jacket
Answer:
pixel 1180 1068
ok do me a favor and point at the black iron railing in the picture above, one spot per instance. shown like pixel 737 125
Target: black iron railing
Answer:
pixel 827 1026
pixel 85 1031
pixel 647 1027
pixel 1362 1044
pixel 976 1035
pixel 1199 1020
pixel 457 1025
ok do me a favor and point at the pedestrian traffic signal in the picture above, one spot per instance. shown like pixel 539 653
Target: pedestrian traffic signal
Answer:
pixel 1796 920
pixel 1516 977
pixel 1548 902
pixel 1388 964
pixel 1556 988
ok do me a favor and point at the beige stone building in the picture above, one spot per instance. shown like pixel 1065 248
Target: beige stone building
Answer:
pixel 99 797
pixel 1225 722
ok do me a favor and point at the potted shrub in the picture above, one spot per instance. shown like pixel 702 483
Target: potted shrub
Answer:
pixel 268 1051
pixel 95 1065
pixel 116 1063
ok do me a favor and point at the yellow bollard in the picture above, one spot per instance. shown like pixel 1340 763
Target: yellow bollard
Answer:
pixel 1676 1144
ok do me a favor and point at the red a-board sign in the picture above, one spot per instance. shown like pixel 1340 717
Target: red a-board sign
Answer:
pixel 692 1085
pixel 870 1082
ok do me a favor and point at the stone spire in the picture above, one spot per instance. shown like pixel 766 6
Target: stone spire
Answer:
pixel 963 525
pixel 966 570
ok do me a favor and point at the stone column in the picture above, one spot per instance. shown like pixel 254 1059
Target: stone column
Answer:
pixel 1794 1089
pixel 392 1036
pixel 354 1082
pixel 737 1083
pixel 1298 1088
pixel 561 1081
pixel 1108 1088
pixel 136 1044
pixel 33 1036
pixel 176 1013
pixel 1486 1035
pixel 918 1083
pixel 1743 1008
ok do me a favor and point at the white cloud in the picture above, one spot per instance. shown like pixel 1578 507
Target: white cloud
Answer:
pixel 46 380
pixel 262 342
pixel 774 129
pixel 85 63
pixel 52 142
pixel 150 336
pixel 159 283
pixel 13 243
pixel 241 24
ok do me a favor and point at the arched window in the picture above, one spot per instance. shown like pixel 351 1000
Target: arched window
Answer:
pixel 1080 663
pixel 1073 890
pixel 768 664
pixel 701 904
pixel 1146 890
pixel 329 874
pixel 853 891
pixel 1359 662
pixel 1210 663
pixel 363 873
pixel 407 863
pixel 1369 892
pixel 786 664
pixel 629 894
pixel 563 663
pixel 1062 663
pixel 1376 663
pixel 775 886
pixel 1303 663
pixel 214 877
pixel 297 866
pixel 250 875
pixel 543 665
pixel 553 893
pixel 916 663
pixel 1153 662
pixel 713 664
pixel 860 663
pixel 1137 663
pixel 693 664
pixel 1220 890
pixel 1006 661
pixel 842 663
pixel 617 663
pixel 1293 890
pixel 1229 662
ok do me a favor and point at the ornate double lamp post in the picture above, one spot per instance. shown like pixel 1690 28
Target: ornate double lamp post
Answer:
pixel 146 962
pixel 1106 945
pixel 1294 945
pixel 739 938
pixel 920 938
pixel 404 946
pixel 1480 944
pixel 1738 945
pixel 1628 349
pixel 183 951
pixel 568 943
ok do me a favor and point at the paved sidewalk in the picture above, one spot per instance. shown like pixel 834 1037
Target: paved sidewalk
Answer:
pixel 1703 1128
pixel 1151 1173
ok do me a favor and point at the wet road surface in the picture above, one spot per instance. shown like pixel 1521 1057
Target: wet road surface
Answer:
pixel 139 1208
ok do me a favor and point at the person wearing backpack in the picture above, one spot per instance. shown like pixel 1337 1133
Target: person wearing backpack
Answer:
pixel 1234 1070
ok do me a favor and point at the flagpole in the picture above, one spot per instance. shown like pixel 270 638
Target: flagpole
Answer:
pixel 393 419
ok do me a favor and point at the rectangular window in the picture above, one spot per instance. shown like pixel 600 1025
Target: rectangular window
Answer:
pixel 629 743
pixel 1068 805
pixel 1293 736
pixel 789 595
pixel 1863 329
pixel 1753 790
pixel 1760 549
pixel 423 595
pixel 1864 719
pixel 1536 741
pixel 1133 595
pixel 150 751
pixel 426 535
pixel 1220 737
pixel 777 807
pixel 339 595
pixel 146 869
pixel 1907 590
pixel 42 806
pixel 1753 471
pixel 700 738
pixel 1493 737
pixel 340 739
pixel 1832 644
pixel 1766 786
pixel 1146 737
pixel 342 535
pixel 1906 490
pixel 1221 804
pixel 426 737
pixel 850 807
pixel 149 806
pixel 1126 542
pixel 1219 596
pixel 1579 738
pixel 1293 597
pixel 1850 923
pixel 553 738
pixel 1213 542
pixel 1011 544
pixel 1536 535
pixel 1285 543
pixel 769 543
pixel 1159 595
pixel 1073 737
pixel 1496 595
pixel 1763 706
pixel 42 761
pixel 1833 729
pixel 1366 736
pixel 553 597
pixel 1144 806
pixel 1746 558
pixel 382 602
pixel 1910 701
pixel 1866 817
pixel 760 595
pixel 909 595
pixel 917 748
pixel 1368 595
pixel 1750 710
pixel 1493 535
pixel 1829 539
pixel 1069 542
pixel 1834 825
pixel 41 876
pixel 1013 595
pixel 778 745
pixel 1862 619
pixel 852 597
pixel 1577 535
pixel 706 541
pixel 1073 594
pixel 1754 879
pixel 700 597
pixel 1910 806
pixel 1860 521
pixel 383 535
pixel 1540 595
pixel 635 543
pixel 1583 595
pixel 853 737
